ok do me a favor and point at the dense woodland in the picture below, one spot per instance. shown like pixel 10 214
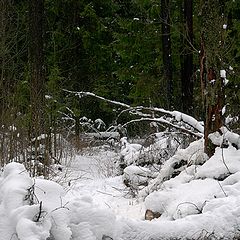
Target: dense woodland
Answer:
pixel 146 53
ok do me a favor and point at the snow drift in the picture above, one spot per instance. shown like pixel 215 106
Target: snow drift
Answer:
pixel 34 209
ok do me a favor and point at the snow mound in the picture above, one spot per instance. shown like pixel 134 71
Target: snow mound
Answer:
pixel 35 209
pixel 224 162
pixel 193 155
pixel 19 213
pixel 88 221
pixel 135 175
pixel 203 200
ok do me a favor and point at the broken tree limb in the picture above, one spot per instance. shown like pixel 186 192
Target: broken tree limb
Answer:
pixel 138 110
pixel 163 121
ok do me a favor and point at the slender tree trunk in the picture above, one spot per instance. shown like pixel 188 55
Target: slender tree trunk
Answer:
pixel 187 58
pixel 37 71
pixel 36 59
pixel 167 51
pixel 3 49
pixel 211 62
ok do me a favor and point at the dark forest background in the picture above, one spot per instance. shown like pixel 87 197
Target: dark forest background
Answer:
pixel 140 52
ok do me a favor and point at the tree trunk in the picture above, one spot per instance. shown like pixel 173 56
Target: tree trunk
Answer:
pixel 37 72
pixel 4 5
pixel 167 51
pixel 214 105
pixel 211 62
pixel 36 63
pixel 187 59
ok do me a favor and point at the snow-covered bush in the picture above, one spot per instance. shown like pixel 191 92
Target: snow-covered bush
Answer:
pixel 21 213
pixel 184 158
pixel 135 177
pixel 205 194
pixel 140 163
pixel 154 152
pixel 34 209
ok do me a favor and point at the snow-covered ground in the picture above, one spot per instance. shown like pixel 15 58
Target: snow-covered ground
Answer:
pixel 93 176
pixel 202 202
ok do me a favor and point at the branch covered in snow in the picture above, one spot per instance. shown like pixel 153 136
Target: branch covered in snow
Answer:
pixel 232 137
pixel 161 120
pixel 188 120
pixel 138 110
pixel 89 94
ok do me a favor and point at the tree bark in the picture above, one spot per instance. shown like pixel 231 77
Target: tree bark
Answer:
pixel 4 21
pixel 37 82
pixel 36 63
pixel 211 62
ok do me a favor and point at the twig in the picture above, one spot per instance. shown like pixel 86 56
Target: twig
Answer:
pixel 40 212
pixel 14 235
pixel 225 162
pixel 109 194
pixel 222 189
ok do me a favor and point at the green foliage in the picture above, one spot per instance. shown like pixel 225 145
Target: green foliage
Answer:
pixel 114 49
pixel 138 48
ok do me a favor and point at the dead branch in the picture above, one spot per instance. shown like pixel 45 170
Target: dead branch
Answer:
pixel 163 121
pixel 138 110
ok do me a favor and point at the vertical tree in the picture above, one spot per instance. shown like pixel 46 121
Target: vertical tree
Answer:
pixel 3 33
pixel 36 63
pixel 37 72
pixel 3 26
pixel 166 49
pixel 212 58
pixel 187 58
pixel 9 43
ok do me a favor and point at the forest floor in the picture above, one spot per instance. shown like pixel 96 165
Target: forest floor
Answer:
pixel 92 203
pixel 91 175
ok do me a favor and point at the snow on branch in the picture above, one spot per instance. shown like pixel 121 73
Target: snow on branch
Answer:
pixel 86 94
pixel 163 121
pixel 188 120
pixel 232 137
pixel 138 110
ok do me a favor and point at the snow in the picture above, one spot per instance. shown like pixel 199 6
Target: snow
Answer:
pixel 188 119
pixel 98 222
pixel 137 175
pixel 224 26
pixel 129 151
pixel 231 136
pixel 223 73
pixel 20 217
pixel 224 77
pixel 224 161
pixel 90 203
